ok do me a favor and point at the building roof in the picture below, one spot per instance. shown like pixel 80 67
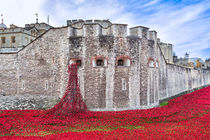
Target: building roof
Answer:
pixel 3 26
pixel 28 28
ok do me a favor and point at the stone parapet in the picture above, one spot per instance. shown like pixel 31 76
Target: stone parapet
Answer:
pixel 140 31
pixel 27 102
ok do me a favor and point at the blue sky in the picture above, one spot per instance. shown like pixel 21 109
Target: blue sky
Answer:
pixel 184 23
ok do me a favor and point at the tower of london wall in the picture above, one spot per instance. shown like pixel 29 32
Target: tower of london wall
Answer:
pixel 118 71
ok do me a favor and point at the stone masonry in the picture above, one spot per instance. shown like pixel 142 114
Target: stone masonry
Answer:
pixel 118 71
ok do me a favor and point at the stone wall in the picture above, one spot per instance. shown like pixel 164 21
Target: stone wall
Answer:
pixel 181 79
pixel 8 74
pixel 43 63
pixel 166 80
pixel 167 50
pixel 110 87
pixel 27 102
pixel 39 71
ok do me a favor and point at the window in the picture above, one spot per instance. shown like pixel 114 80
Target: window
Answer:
pixel 77 61
pixel 13 39
pixel 151 64
pixel 123 61
pixel 23 85
pixel 157 64
pixel 3 40
pixel 99 62
pixel 121 42
pixel 46 84
pixel 53 60
pixel 123 84
pixel 120 62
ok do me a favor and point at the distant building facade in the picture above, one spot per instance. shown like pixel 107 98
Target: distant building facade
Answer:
pixel 207 64
pixel 197 63
pixel 183 61
pixel 14 38
pixel 194 62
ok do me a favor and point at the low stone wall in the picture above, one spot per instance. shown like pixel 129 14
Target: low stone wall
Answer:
pixel 27 102
pixel 182 93
pixel 181 79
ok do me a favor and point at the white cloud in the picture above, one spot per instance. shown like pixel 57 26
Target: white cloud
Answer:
pixel 184 25
pixel 152 2
pixel 19 12
pixel 89 9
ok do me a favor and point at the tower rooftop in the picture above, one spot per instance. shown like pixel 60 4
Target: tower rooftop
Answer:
pixel 3 26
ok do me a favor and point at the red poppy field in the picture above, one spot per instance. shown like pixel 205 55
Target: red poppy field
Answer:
pixel 185 117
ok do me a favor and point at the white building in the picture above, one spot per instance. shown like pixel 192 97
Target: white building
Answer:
pixel 14 38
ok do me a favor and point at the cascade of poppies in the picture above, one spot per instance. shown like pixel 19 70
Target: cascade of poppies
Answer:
pixel 72 102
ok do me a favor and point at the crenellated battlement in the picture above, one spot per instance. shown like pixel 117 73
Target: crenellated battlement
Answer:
pixel 153 35
pixel 77 22
pixel 95 27
pixel 166 45
pixel 140 31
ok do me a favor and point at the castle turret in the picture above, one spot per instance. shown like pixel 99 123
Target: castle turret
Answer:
pixel 167 50
pixel 153 35
pixel 2 25
pixel 140 31
pixel 186 55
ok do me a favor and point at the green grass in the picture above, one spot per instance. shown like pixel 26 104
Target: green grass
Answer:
pixel 164 103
